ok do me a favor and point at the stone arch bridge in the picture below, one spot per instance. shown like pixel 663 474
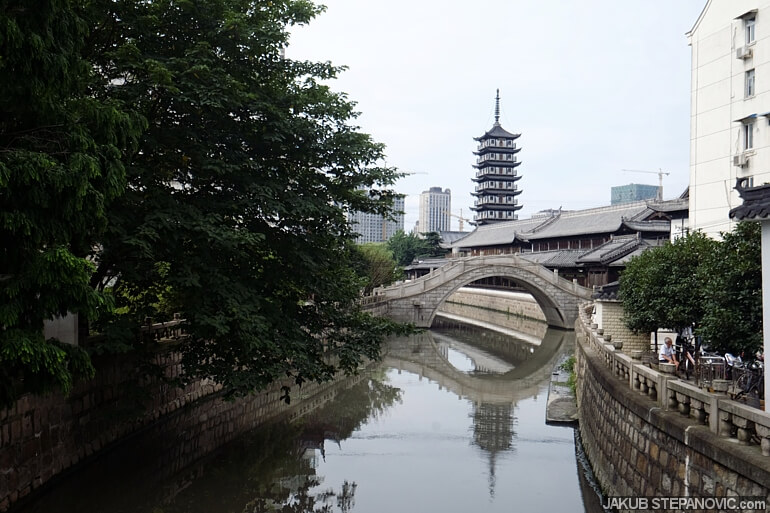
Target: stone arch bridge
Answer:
pixel 418 301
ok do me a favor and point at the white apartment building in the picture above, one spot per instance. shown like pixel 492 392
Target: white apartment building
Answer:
pixel 375 227
pixel 730 108
pixel 435 209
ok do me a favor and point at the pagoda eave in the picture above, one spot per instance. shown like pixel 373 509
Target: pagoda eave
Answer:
pixel 499 163
pixel 491 177
pixel 508 208
pixel 492 149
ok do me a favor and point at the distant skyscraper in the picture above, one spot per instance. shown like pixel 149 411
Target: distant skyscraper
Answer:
pixel 496 174
pixel 633 192
pixel 377 228
pixel 435 207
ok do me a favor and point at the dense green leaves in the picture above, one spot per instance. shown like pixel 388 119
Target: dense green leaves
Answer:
pixel 408 247
pixel 732 289
pixel 173 147
pixel 376 265
pixel 234 214
pixel 714 286
pixel 60 167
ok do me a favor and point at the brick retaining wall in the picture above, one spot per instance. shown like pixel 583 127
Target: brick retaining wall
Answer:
pixel 41 437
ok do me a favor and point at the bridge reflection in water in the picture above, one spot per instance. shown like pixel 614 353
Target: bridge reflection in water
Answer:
pixel 490 369
pixel 451 420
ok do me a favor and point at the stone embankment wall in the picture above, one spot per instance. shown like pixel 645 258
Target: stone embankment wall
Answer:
pixel 41 437
pixel 514 311
pixel 649 434
pixel 513 303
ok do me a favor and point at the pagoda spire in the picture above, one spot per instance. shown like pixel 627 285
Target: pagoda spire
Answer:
pixel 497 108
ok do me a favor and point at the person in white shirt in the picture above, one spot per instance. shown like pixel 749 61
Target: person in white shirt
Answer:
pixel 666 353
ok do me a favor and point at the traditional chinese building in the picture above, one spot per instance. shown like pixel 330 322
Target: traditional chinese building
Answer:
pixel 496 175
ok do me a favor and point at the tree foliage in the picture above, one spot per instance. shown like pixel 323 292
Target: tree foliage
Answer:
pixel 697 281
pixel 234 213
pixel 220 194
pixel 377 266
pixel 60 168
pixel 408 247
pixel 731 279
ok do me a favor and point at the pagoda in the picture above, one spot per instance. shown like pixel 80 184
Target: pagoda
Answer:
pixel 496 176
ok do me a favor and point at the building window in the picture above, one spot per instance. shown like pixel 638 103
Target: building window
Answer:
pixel 750 83
pixel 748 136
pixel 750 30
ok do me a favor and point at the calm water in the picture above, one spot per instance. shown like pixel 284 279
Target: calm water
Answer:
pixel 450 421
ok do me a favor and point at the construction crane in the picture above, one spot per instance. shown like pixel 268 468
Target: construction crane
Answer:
pixel 460 218
pixel 660 174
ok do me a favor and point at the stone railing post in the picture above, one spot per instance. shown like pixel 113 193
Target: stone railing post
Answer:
pixel 764 434
pixel 725 424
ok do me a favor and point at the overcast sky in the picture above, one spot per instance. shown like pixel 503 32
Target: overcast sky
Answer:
pixel 592 86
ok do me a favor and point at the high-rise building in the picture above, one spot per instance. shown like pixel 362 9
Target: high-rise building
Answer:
pixel 375 227
pixel 435 207
pixel 496 176
pixel 633 192
pixel 730 108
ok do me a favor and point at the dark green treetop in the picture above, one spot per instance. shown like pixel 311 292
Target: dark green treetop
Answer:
pixel 660 288
pixel 234 213
pixel 60 168
pixel 731 278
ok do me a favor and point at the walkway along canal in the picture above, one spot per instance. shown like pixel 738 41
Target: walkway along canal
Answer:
pixel 451 420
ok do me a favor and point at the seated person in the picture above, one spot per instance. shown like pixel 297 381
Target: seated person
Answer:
pixel 666 353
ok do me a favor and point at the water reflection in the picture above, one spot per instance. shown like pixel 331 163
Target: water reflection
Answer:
pixel 449 421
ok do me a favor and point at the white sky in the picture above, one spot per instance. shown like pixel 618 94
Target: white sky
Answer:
pixel 593 86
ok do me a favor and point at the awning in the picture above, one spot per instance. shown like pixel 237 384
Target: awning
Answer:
pixel 746 119
pixel 747 14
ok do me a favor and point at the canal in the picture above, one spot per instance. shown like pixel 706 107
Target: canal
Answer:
pixel 451 420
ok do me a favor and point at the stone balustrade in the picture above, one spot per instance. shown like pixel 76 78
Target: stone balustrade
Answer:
pixel 724 416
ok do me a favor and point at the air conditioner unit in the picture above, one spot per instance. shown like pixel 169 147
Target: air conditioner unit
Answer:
pixel 744 52
pixel 740 160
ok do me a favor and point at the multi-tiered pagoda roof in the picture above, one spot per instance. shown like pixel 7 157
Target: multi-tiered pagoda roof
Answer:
pixel 496 174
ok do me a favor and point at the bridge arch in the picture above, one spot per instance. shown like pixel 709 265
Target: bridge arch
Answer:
pixel 418 301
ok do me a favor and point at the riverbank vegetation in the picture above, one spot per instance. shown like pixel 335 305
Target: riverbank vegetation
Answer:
pixel 713 286
pixel 163 157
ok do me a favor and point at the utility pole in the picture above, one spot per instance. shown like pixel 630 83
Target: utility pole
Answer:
pixel 660 174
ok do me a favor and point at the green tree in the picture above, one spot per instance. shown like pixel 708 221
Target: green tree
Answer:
pixel 660 287
pixel 433 245
pixel 407 247
pixel 731 279
pixel 641 283
pixel 234 214
pixel 378 266
pixel 60 167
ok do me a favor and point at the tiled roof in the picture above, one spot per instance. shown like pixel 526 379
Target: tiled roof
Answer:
pixel 448 238
pixel 497 234
pixel 426 264
pixel 670 206
pixel 756 202
pixel 611 250
pixel 602 220
pixel 595 220
pixel 498 131
pixel 658 225
pixel 556 258
pixel 608 291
